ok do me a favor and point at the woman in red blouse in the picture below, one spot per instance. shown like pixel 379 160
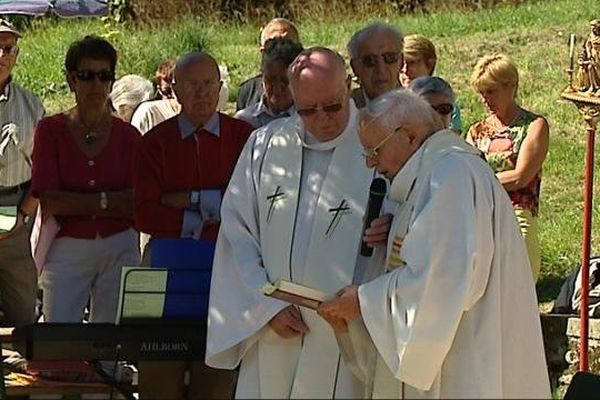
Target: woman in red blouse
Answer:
pixel 82 175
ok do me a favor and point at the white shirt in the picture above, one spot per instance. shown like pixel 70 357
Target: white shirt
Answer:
pixel 20 111
pixel 151 113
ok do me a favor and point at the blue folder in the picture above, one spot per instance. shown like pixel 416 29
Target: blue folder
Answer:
pixel 189 263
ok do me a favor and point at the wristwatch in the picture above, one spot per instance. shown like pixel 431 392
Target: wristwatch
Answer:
pixel 26 218
pixel 103 201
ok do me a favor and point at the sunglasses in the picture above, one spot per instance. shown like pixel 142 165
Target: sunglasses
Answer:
pixel 444 108
pixel 10 49
pixel 329 109
pixel 370 60
pixel 87 75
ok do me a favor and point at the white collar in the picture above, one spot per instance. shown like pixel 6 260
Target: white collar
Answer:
pixel 435 146
pixel 404 180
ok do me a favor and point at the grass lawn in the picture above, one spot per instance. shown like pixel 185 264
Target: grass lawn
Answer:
pixel 535 35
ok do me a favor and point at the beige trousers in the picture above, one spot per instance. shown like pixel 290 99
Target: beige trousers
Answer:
pixel 18 279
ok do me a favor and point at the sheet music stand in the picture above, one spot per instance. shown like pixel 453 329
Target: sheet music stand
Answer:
pixel 188 264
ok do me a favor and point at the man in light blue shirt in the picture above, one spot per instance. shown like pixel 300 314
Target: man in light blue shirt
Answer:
pixel 276 101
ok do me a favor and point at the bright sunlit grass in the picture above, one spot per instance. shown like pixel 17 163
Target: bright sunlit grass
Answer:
pixel 534 34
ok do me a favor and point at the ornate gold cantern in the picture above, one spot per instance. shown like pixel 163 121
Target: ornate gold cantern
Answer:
pixel 584 92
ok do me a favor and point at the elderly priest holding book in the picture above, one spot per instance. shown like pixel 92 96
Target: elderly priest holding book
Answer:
pixel 455 314
pixel 293 210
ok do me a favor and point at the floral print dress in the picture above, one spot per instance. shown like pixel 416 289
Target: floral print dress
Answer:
pixel 501 149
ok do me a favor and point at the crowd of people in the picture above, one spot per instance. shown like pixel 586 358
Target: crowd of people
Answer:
pixel 445 306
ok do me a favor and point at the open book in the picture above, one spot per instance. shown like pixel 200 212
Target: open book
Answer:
pixel 142 293
pixel 295 293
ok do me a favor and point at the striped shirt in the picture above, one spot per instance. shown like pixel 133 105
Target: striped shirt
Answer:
pixel 20 111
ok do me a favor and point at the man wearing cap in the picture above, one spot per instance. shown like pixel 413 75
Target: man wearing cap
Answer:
pixel 251 91
pixel 20 110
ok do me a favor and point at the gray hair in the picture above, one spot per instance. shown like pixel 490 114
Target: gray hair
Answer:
pixel 359 37
pixel 399 107
pixel 189 58
pixel 293 30
pixel 425 85
pixel 131 90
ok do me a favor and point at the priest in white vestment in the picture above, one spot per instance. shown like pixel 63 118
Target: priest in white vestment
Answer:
pixel 454 314
pixel 293 210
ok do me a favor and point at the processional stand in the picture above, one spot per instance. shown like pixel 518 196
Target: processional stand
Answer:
pixel 584 92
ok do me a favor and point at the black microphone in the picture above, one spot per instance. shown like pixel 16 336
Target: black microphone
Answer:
pixel 376 196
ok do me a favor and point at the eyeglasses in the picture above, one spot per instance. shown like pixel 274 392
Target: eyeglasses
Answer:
pixel 444 108
pixel 329 109
pixel 193 85
pixel 87 75
pixel 372 152
pixel 9 49
pixel 370 60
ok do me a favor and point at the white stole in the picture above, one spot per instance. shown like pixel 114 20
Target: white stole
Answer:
pixel 333 250
pixel 435 147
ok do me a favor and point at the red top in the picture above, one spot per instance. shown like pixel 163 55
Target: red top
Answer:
pixel 166 162
pixel 58 164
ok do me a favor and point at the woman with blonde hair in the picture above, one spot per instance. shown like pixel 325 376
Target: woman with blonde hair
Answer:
pixel 515 143
pixel 420 60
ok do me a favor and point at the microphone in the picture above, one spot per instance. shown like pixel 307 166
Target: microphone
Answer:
pixel 376 196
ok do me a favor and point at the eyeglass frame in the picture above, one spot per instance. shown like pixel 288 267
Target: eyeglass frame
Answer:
pixel 437 106
pixel 89 75
pixel 372 152
pixel 337 106
pixel 383 56
pixel 189 85
pixel 9 50
pixel 328 109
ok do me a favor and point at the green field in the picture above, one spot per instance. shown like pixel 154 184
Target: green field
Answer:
pixel 534 34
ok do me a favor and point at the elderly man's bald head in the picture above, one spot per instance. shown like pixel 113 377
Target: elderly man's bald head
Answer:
pixel 320 92
pixel 317 63
pixel 194 57
pixel 196 82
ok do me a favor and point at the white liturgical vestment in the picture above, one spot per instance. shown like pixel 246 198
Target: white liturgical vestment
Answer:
pixel 293 210
pixel 455 315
